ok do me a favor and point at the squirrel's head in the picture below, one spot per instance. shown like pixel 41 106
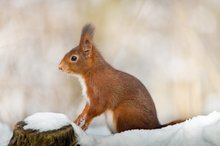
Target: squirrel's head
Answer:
pixel 81 58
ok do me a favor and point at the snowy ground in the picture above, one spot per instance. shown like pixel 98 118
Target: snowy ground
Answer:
pixel 201 131
pixel 5 134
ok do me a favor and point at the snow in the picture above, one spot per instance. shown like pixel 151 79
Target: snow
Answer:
pixel 98 130
pixel 201 130
pixel 5 134
pixel 46 121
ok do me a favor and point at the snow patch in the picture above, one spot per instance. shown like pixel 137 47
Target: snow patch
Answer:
pixel 79 132
pixel 200 130
pixel 5 134
pixel 46 121
pixel 98 130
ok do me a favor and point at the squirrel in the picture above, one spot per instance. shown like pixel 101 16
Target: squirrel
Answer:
pixel 123 99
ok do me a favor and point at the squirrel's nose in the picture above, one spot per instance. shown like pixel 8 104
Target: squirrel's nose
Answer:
pixel 60 67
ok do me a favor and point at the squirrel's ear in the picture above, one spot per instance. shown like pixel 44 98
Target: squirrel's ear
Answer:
pixel 86 41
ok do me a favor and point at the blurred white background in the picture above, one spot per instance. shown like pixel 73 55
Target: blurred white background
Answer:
pixel 172 46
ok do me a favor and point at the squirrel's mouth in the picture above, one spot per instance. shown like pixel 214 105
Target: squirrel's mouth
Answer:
pixel 69 72
pixel 66 71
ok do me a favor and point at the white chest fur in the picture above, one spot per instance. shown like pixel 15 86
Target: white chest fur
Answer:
pixel 109 117
pixel 84 89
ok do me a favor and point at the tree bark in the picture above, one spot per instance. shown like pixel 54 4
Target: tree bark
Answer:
pixel 64 136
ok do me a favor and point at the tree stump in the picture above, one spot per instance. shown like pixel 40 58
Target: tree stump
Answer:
pixel 63 136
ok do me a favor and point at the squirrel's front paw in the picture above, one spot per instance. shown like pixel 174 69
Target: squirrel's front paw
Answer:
pixel 80 121
pixel 85 126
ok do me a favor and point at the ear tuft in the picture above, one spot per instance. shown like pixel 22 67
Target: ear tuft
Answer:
pixel 86 42
pixel 88 28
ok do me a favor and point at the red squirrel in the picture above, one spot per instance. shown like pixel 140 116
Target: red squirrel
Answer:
pixel 125 101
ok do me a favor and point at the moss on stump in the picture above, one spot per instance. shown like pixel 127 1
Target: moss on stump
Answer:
pixel 64 136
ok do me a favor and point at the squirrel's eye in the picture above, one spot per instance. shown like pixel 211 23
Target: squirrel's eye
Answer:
pixel 74 58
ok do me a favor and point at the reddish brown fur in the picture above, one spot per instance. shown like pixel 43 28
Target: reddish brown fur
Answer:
pixel 109 89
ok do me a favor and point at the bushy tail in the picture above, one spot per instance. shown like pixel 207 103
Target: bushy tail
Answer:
pixel 172 123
